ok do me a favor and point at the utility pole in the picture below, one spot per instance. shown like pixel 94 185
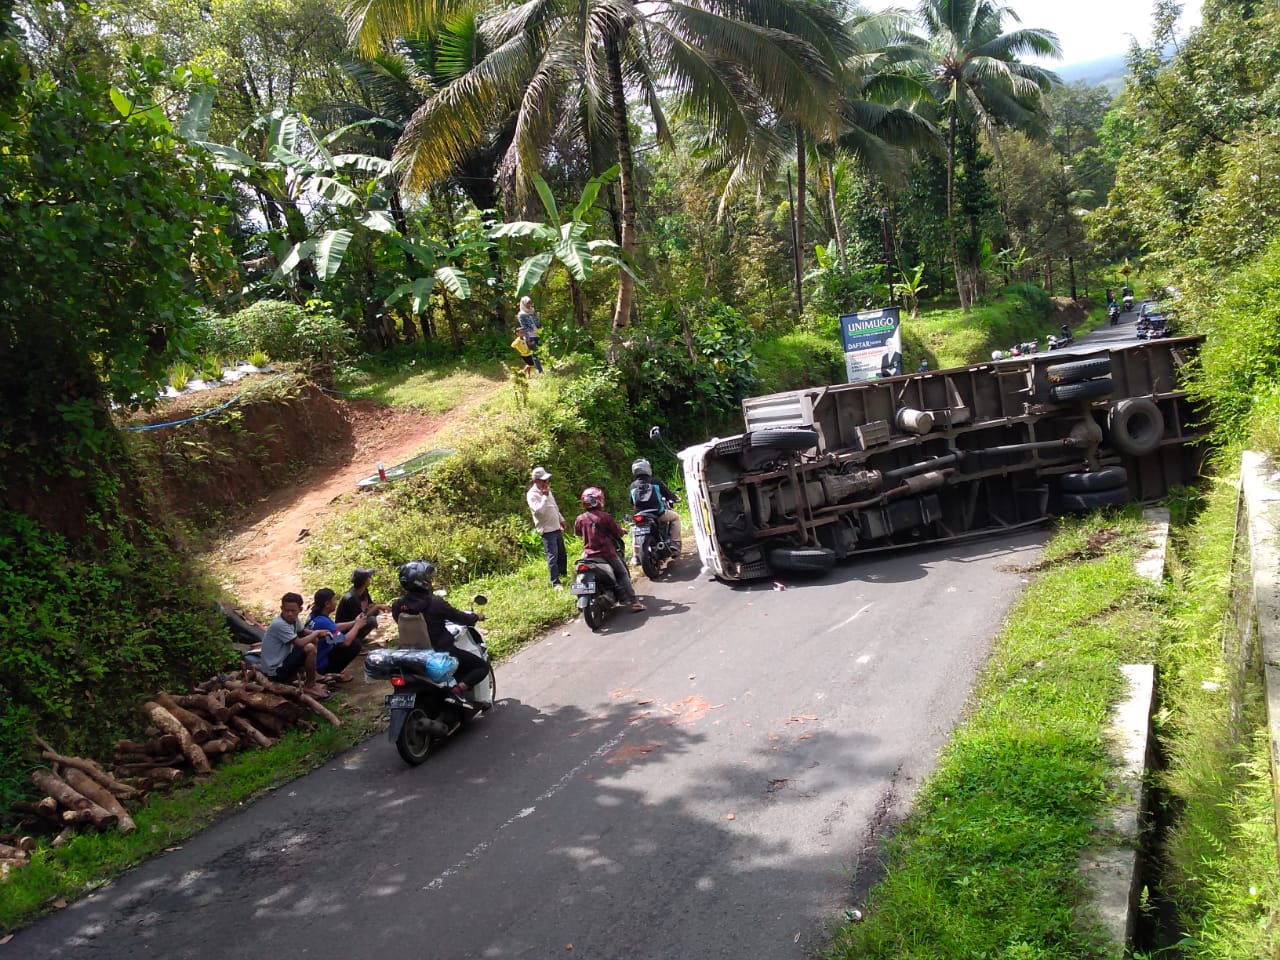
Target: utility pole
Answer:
pixel 795 245
pixel 888 256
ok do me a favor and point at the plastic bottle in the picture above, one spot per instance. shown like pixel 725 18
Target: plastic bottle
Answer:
pixel 382 472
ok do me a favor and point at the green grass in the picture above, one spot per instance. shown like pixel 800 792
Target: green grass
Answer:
pixel 430 388
pixel 1221 868
pixel 986 866
pixel 948 337
pixel 90 859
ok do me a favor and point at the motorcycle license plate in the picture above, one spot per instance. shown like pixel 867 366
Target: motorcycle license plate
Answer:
pixel 398 700
pixel 638 534
pixel 582 588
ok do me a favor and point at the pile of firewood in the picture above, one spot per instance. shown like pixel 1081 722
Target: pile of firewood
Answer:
pixel 188 734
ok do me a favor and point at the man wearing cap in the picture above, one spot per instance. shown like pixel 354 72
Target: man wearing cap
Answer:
pixel 550 523
pixel 357 601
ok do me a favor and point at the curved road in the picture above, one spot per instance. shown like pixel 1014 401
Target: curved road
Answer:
pixel 698 781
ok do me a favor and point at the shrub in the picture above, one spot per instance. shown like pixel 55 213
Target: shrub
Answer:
pixel 284 331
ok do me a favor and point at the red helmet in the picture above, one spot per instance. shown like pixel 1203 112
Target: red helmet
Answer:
pixel 592 497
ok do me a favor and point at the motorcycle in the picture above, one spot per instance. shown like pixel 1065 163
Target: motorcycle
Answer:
pixel 1128 302
pixel 1114 315
pixel 424 708
pixel 652 547
pixel 1057 343
pixel 596 589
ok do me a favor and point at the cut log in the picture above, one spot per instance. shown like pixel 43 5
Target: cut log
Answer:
pixel 83 783
pixel 62 838
pixel 161 775
pixel 196 724
pixel 86 766
pixel 212 704
pixel 162 746
pixel 220 747
pixel 253 733
pixel 46 809
pixel 72 799
pixel 267 722
pixel 143 767
pixel 273 686
pixel 72 817
pixel 13 853
pixel 167 722
pixel 256 701
pixel 319 710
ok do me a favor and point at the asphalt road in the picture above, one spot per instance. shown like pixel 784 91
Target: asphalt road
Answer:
pixel 697 781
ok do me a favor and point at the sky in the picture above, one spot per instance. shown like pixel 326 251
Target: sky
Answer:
pixel 1086 29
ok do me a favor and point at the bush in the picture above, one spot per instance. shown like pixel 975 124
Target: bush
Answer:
pixel 283 330
pixel 796 360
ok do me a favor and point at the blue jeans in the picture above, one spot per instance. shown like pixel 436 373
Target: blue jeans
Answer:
pixel 557 560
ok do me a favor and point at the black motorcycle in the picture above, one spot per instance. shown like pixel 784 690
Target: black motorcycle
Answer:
pixel 596 588
pixel 651 543
pixel 1113 314
pixel 423 706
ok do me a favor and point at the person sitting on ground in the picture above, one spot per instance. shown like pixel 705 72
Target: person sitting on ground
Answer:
pixel 286 650
pixel 357 600
pixel 600 534
pixel 649 495
pixel 415 579
pixel 338 643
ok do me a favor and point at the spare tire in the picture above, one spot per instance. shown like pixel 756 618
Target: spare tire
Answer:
pixel 1085 390
pixel 1136 426
pixel 802 559
pixel 1078 370
pixel 783 438
pixel 1108 478
pixel 1083 502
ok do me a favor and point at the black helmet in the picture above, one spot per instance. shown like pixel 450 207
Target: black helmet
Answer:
pixel 417 574
pixel 641 468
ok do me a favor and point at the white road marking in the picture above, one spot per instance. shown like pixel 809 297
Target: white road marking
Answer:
pixel 474 853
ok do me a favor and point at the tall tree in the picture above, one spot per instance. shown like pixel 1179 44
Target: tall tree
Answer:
pixel 981 84
pixel 728 62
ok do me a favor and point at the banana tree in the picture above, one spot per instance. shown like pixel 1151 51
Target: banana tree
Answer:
pixel 565 242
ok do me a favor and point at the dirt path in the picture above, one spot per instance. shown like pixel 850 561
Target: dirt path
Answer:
pixel 262 560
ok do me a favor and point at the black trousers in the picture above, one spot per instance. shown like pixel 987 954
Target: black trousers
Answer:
pixel 340 657
pixel 472 669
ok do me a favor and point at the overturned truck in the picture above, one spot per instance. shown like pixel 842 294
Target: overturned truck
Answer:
pixel 826 472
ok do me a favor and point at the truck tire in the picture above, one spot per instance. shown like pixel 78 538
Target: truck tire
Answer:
pixel 802 559
pixel 1108 478
pixel 783 438
pixel 1136 426
pixel 1084 502
pixel 1086 390
pixel 1078 370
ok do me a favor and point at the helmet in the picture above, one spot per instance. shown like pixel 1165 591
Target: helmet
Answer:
pixel 417 574
pixel 592 497
pixel 641 468
pixel 997 354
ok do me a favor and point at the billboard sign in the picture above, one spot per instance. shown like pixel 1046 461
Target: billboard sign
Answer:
pixel 872 344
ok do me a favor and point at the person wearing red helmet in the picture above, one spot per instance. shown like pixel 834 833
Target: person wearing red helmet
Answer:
pixel 600 534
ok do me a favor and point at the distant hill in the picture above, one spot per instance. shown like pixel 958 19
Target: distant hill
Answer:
pixel 1106 72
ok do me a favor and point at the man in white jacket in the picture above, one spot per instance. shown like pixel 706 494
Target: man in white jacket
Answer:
pixel 549 522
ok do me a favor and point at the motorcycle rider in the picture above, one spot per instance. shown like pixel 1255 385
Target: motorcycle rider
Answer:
pixel 1113 311
pixel 600 533
pixel 415 579
pixel 650 494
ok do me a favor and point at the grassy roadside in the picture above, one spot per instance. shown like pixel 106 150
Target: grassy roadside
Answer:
pixel 986 865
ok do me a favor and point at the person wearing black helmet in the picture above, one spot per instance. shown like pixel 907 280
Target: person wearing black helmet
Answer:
pixel 415 579
pixel 357 601
pixel 651 495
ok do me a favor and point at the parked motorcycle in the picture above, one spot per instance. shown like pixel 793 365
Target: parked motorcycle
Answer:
pixel 1057 343
pixel 652 547
pixel 424 708
pixel 596 589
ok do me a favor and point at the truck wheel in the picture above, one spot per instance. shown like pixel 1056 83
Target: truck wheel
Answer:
pixel 1079 370
pixel 783 438
pixel 1087 390
pixel 802 559
pixel 1136 426
pixel 1108 478
pixel 1084 502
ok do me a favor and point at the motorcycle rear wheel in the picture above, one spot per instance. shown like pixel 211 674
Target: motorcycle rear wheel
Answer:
pixel 414 742
pixel 648 562
pixel 593 613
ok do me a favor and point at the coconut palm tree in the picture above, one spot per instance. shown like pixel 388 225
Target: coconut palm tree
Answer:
pixel 729 62
pixel 980 84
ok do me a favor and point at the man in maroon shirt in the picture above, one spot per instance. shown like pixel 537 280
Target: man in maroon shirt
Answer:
pixel 599 533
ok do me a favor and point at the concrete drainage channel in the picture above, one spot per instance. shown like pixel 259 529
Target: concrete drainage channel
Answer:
pixel 1114 873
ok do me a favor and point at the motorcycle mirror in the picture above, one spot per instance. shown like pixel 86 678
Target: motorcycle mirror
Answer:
pixel 442 592
pixel 479 600
pixel 655 433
